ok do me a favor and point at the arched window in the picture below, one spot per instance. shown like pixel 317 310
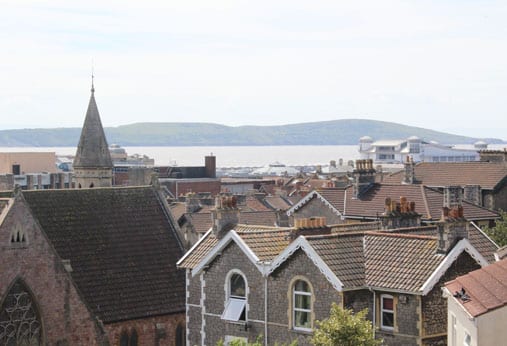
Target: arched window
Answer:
pixel 133 338
pixel 180 335
pixel 124 338
pixel 128 340
pixel 235 308
pixel 301 305
pixel 20 322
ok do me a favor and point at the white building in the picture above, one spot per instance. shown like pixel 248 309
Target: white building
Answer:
pixel 397 151
pixel 477 307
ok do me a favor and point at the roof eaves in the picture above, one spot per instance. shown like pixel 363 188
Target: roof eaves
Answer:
pixel 217 249
pixel 189 252
pixel 462 245
pixel 303 244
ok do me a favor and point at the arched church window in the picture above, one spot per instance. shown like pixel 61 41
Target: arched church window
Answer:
pixel 20 322
pixel 124 338
pixel 133 338
pixel 91 185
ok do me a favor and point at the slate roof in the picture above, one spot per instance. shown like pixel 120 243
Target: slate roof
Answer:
pixel 486 288
pixel 401 262
pixel 121 245
pixel 92 150
pixel 489 175
pixel 371 204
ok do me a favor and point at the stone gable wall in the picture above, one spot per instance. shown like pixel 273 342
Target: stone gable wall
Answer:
pixel 315 207
pixel 65 318
pixel 434 305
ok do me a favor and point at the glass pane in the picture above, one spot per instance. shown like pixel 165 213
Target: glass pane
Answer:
pixel 124 339
pixel 302 301
pixel 301 286
pixel 302 319
pixel 387 319
pixel 387 303
pixel 133 338
pixel 237 286
pixel 235 310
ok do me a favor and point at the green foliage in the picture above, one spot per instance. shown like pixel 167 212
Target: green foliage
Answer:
pixel 344 328
pixel 257 342
pixel 499 232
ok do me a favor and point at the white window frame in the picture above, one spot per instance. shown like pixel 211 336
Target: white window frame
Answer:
pixel 295 309
pixel 235 305
pixel 382 310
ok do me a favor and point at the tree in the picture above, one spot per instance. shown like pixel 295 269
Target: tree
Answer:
pixel 499 232
pixel 344 328
pixel 257 342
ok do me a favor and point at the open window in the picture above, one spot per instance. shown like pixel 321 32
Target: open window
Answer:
pixel 235 308
pixel 301 306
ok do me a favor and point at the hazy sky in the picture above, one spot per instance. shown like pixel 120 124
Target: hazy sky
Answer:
pixel 434 64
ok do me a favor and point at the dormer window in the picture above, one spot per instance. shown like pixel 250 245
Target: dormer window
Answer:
pixel 235 307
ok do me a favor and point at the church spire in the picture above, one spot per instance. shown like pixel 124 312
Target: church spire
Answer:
pixel 92 151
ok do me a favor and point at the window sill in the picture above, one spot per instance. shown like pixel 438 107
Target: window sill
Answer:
pixel 303 331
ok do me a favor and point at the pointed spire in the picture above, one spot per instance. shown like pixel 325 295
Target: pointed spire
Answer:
pixel 92 150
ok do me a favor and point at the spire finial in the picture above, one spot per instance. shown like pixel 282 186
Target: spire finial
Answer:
pixel 93 87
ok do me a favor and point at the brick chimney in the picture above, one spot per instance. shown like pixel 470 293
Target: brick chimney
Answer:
pixel 282 219
pixel 453 226
pixel 310 226
pixel 400 214
pixel 409 166
pixel 210 166
pixel 192 203
pixel 364 176
pixel 225 215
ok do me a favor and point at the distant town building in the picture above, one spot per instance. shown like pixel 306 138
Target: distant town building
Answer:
pixel 397 151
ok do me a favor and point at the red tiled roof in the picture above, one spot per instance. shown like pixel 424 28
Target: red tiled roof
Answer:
pixel 428 202
pixel 486 288
pixel 277 202
pixel 263 218
pixel 486 174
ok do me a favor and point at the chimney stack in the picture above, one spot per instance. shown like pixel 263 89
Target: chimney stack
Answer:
pixel 400 214
pixel 453 226
pixel 472 194
pixel 409 176
pixel 364 176
pixel 225 215
pixel 310 226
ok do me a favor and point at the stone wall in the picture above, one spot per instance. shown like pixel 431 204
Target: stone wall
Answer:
pixel 65 318
pixel 434 305
pixel 156 331
pixel 315 207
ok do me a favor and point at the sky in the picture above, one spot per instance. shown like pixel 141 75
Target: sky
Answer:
pixel 440 65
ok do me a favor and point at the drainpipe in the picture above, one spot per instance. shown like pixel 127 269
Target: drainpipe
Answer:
pixel 373 312
pixel 265 306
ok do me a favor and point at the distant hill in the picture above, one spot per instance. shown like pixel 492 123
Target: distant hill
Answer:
pixel 337 132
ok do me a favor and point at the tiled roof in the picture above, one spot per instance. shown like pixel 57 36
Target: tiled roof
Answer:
pixel 486 174
pixel 199 251
pixel 399 261
pixel 263 218
pixel 486 288
pixel 277 202
pixel 343 254
pixel 121 246
pixel 482 243
pixel 201 222
pixel 428 202
pixel 266 243
pixel 178 209
pixel 336 197
pixel 253 204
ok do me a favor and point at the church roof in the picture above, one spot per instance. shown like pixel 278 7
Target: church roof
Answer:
pixel 121 245
pixel 92 150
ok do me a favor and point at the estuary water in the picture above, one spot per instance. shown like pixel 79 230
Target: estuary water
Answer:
pixel 228 156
